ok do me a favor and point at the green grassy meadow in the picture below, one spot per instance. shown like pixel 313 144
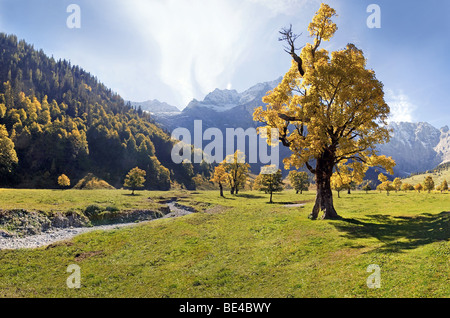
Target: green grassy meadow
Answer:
pixel 241 246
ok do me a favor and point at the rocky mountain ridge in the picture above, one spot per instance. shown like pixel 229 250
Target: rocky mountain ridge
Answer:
pixel 155 106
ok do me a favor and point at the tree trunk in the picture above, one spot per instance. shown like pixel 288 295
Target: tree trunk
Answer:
pixel 221 189
pixel 324 196
pixel 271 197
pixel 232 190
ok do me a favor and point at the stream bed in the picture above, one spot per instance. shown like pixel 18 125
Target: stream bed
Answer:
pixel 54 235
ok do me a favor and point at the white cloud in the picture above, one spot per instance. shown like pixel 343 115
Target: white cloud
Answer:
pixel 198 43
pixel 201 45
pixel 287 7
pixel 401 107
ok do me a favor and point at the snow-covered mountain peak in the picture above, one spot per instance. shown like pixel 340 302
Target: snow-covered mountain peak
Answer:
pixel 222 97
pixel 221 100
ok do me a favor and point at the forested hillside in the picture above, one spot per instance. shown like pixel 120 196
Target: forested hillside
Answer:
pixel 61 119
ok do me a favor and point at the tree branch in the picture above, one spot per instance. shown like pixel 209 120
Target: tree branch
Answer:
pixel 310 168
pixel 288 118
pixel 289 37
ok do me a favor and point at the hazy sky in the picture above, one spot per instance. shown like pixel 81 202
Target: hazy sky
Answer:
pixel 177 50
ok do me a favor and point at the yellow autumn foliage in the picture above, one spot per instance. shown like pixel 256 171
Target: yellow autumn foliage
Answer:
pixel 335 114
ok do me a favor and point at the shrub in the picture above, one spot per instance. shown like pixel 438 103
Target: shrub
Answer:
pixel 112 209
pixel 92 210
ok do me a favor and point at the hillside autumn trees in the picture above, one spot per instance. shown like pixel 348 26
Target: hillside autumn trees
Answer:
pixel 61 119
pixel 328 109
pixel 8 156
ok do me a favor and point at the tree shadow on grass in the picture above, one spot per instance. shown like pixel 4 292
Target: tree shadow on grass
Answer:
pixel 249 196
pixel 227 198
pixel 282 202
pixel 398 233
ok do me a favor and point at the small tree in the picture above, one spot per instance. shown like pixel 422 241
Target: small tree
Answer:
pixel 237 170
pixel 386 186
pixel 444 186
pixel 134 179
pixel 338 183
pixel 428 184
pixel 407 186
pixel 63 181
pixel 418 187
pixel 397 184
pixel 220 177
pixel 367 187
pixel 271 180
pixel 299 180
pixel 257 183
pixel 351 174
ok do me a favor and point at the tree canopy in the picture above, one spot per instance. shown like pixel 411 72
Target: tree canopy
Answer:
pixel 271 181
pixel 299 180
pixel 63 181
pixel 237 171
pixel 135 179
pixel 220 177
pixel 328 109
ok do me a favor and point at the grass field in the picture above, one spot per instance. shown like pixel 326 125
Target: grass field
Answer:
pixel 241 246
pixel 49 201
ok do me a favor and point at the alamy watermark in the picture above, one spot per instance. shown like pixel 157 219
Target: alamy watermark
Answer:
pixel 74 279
pixel 374 280
pixel 74 19
pixel 374 19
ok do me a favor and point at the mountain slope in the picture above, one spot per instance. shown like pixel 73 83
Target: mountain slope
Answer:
pixel 443 147
pixel 439 174
pixel 63 120
pixel 222 109
pixel 155 106
pixel 416 147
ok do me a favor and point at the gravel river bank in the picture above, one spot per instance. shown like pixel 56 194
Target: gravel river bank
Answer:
pixel 56 235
